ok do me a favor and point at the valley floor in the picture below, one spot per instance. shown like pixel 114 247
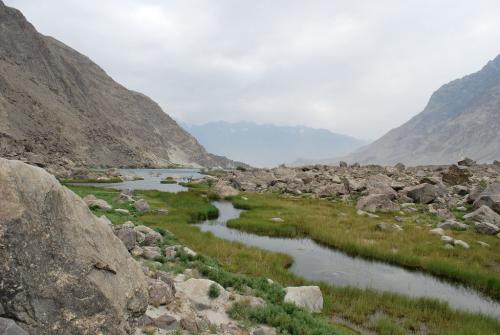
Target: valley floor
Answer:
pixel 333 224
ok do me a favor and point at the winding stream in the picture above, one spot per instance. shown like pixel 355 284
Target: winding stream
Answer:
pixel 319 263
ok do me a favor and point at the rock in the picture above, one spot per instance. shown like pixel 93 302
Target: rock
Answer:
pixel 141 205
pixel 343 164
pixel 149 236
pixel 377 202
pixel 383 226
pixel 92 201
pixel 490 197
pixel 189 325
pixel 400 167
pixel 308 297
pixel 452 224
pixel 166 322
pixel 137 251
pixel 264 330
pixel 330 190
pixel 224 190
pixel 461 190
pixel 363 213
pixel 71 263
pixel 448 246
pixel 486 228
pixel 124 198
pixel 353 185
pixel 456 176
pixel 423 193
pixel 437 231
pixel 122 211
pixel 151 252
pixel 483 244
pixel 196 291
pixel 466 162
pixel 276 220
pixel 397 186
pixel 160 293
pixel 127 236
pixel 444 213
pixel 461 243
pixel 447 239
pixel 380 184
pixel 484 214
pixel 9 327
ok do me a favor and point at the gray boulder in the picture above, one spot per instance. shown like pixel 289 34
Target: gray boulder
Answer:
pixel 308 297
pixel 127 235
pixel 9 327
pixel 455 175
pixel 377 202
pixel 381 184
pixel 486 228
pixel 484 214
pixel 490 197
pixel 141 205
pixel 58 260
pixel 452 224
pixel 423 193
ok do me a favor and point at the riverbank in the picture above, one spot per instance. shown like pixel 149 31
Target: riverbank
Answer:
pixel 382 312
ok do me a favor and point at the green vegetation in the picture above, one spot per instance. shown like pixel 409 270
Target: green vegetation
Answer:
pixel 233 264
pixel 336 224
pixel 168 180
pixel 213 291
pixel 213 172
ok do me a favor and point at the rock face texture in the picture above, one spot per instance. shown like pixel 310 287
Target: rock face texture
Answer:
pixel 58 109
pixel 461 119
pixel 62 270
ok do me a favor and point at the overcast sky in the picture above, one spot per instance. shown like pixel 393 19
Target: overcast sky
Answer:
pixel 354 67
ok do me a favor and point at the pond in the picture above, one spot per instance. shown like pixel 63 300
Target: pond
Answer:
pixel 152 178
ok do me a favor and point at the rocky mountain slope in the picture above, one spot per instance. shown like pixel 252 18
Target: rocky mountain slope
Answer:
pixel 59 109
pixel 462 119
pixel 271 145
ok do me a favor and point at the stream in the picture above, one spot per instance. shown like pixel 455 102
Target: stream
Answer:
pixel 315 262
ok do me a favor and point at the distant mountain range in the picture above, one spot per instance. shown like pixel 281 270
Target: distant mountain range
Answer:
pixel 58 109
pixel 266 145
pixel 461 119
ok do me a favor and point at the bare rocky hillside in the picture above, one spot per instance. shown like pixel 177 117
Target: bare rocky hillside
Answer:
pixel 462 119
pixel 59 109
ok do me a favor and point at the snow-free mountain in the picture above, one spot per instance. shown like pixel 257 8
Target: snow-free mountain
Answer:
pixel 462 119
pixel 58 109
pixel 267 145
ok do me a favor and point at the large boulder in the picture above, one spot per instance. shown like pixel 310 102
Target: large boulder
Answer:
pixel 377 203
pixel 490 197
pixel 9 327
pixel 223 189
pixel 423 193
pixel 62 269
pixel 484 214
pixel 380 184
pixel 308 297
pixel 455 175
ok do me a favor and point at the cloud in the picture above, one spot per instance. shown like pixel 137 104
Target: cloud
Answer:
pixel 354 67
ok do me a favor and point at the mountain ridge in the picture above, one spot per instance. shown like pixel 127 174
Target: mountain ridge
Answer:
pixel 461 119
pixel 58 109
pixel 268 145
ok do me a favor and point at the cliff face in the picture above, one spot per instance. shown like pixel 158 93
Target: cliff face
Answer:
pixel 462 119
pixel 59 109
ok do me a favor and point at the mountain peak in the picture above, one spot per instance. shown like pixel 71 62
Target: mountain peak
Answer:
pixel 460 120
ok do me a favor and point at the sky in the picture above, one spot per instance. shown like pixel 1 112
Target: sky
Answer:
pixel 354 67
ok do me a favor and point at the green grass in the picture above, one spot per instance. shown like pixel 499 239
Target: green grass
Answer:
pixel 242 266
pixel 336 224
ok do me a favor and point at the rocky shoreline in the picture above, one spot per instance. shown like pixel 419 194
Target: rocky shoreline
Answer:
pixel 465 195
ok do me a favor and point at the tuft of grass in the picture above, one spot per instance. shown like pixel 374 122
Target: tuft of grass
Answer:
pixel 213 291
